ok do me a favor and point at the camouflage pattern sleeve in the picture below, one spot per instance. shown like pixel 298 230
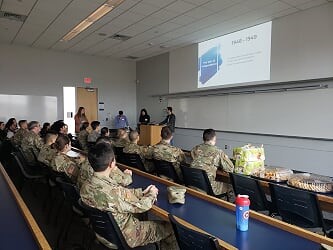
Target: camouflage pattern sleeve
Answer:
pixel 86 171
pixel 226 163
pixel 120 177
pixel 181 156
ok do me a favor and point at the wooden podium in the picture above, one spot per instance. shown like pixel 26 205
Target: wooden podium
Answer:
pixel 150 134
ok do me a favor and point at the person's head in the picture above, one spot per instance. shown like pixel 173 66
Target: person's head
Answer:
pixel 105 132
pixel 169 110
pixel 34 126
pixel 95 125
pixel 120 112
pixel 143 112
pixel 81 111
pixel 84 126
pixel 2 126
pixel 209 135
pixel 46 126
pixel 121 133
pixel 50 137
pixel 166 134
pixel 23 124
pixel 101 157
pixel 103 139
pixel 11 124
pixel 59 127
pixel 134 136
pixel 62 143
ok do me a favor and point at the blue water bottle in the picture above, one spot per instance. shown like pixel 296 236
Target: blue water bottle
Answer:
pixel 242 212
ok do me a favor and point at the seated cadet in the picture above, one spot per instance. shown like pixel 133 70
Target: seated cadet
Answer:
pixel 94 134
pixel 60 127
pixel 20 133
pixel 164 151
pixel 122 140
pixel 122 178
pixel 102 192
pixel 208 157
pixel 62 162
pixel 144 151
pixel 48 152
pixel 83 136
pixel 11 127
pixel 32 143
pixel 46 127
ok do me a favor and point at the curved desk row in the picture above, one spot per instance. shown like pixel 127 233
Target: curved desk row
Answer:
pixel 19 228
pixel 217 218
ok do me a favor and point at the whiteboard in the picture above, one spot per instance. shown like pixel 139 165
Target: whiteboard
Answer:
pixel 307 113
pixel 28 107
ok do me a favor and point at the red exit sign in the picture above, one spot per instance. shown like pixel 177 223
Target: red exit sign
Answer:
pixel 87 80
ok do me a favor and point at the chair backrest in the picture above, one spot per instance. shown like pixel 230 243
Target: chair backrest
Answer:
pixel 133 160
pixel 246 185
pixel 194 177
pixel 105 225
pixel 166 169
pixel 118 151
pixel 21 164
pixel 71 191
pixel 295 206
pixel 189 239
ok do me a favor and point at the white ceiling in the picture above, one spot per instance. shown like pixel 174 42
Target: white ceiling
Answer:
pixel 156 26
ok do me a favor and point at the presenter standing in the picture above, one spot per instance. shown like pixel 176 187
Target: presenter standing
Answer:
pixel 80 117
pixel 170 121
pixel 121 120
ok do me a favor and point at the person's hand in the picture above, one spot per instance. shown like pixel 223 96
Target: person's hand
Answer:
pixel 153 190
pixel 146 190
pixel 127 171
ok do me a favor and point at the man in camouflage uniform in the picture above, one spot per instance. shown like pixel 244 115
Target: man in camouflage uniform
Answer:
pixel 164 151
pixel 123 178
pixel 47 152
pixel 144 151
pixel 122 140
pixel 102 192
pixel 208 157
pixel 32 143
pixel 21 133
pixel 83 136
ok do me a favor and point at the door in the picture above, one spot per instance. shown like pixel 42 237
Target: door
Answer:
pixel 87 98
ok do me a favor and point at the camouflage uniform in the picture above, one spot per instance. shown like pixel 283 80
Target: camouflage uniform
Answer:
pixel 87 172
pixel 92 137
pixel 31 145
pixel 83 139
pixel 144 152
pixel 66 164
pixel 209 158
pixel 105 194
pixel 46 155
pixel 19 135
pixel 164 151
pixel 120 143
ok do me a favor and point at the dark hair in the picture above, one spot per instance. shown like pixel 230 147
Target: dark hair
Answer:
pixel 61 142
pixel 120 112
pixel 169 108
pixel 166 133
pixel 144 111
pixel 94 124
pixel 44 129
pixel 32 124
pixel 56 126
pixel 10 122
pixel 21 122
pixel 104 131
pixel 103 139
pixel 48 135
pixel 100 156
pixel 208 134
pixel 84 126
pixel 121 132
pixel 133 135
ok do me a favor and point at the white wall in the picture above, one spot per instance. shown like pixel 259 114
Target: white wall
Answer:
pixel 301 49
pixel 30 71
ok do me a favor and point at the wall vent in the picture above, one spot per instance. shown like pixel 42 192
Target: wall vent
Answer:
pixel 120 37
pixel 12 16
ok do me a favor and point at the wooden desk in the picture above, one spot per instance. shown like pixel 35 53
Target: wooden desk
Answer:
pixel 150 134
pixel 217 218
pixel 19 228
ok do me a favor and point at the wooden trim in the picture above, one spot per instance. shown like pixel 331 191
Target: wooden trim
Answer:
pixel 255 215
pixel 37 233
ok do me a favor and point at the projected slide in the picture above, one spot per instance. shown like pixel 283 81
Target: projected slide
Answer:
pixel 239 57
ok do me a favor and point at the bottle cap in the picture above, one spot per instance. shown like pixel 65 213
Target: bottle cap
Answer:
pixel 242 200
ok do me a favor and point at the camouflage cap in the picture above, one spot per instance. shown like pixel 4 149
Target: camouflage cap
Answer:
pixel 176 194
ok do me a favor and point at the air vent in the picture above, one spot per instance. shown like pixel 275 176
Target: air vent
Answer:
pixel 132 57
pixel 120 37
pixel 12 16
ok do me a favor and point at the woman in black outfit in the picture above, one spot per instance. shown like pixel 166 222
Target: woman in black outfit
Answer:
pixel 144 117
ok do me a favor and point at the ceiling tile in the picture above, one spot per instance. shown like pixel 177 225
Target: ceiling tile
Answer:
pixel 180 7
pixel 18 7
pixel 183 20
pixel 218 5
pixel 197 2
pixel 144 9
pixel 8 29
pixel 134 30
pixel 199 13
pixel 311 4
pixel 159 3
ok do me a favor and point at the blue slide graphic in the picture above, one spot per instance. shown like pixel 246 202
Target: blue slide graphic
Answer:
pixel 209 64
